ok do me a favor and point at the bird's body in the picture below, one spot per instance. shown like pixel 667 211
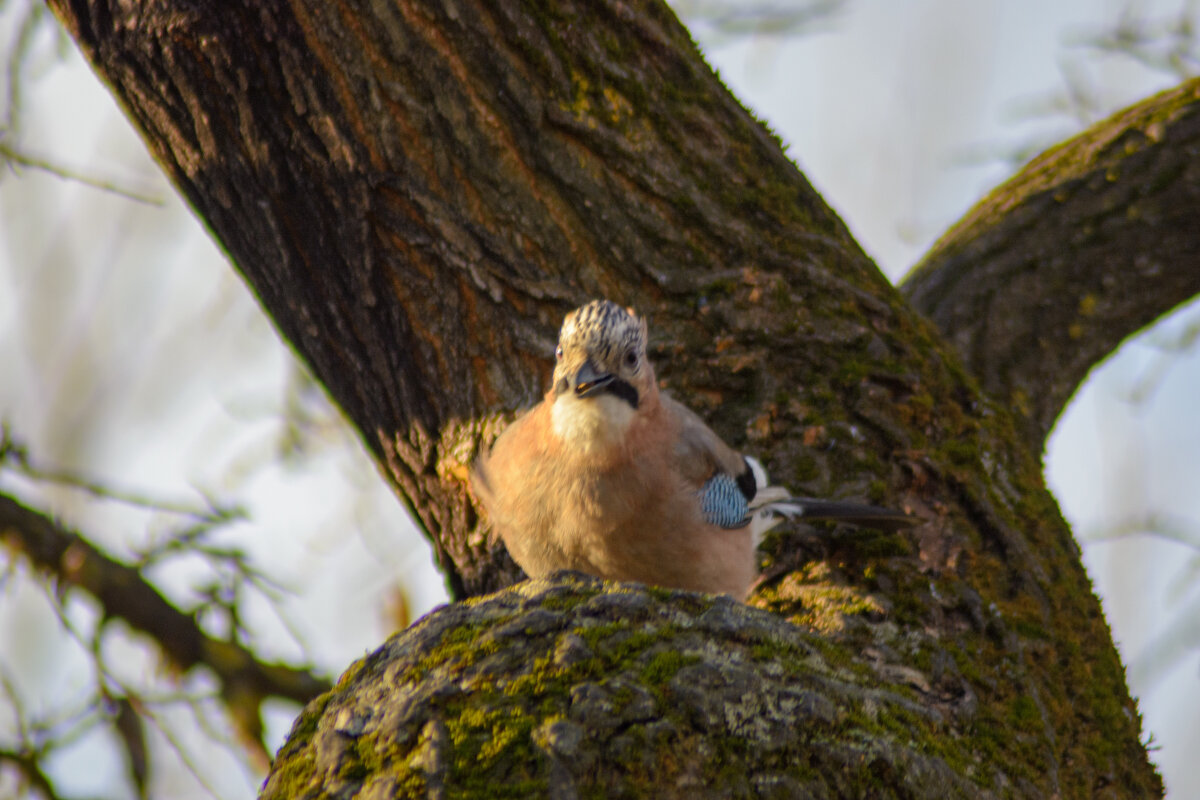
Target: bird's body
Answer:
pixel 620 509
pixel 610 476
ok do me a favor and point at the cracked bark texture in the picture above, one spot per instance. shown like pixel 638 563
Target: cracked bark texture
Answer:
pixel 1089 243
pixel 770 700
pixel 417 192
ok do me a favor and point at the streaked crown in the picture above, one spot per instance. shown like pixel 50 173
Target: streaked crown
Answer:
pixel 611 338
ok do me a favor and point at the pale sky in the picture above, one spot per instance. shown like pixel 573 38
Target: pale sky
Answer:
pixel 150 363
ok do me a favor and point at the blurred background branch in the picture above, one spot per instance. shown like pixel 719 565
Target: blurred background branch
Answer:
pixel 717 22
pixel 69 560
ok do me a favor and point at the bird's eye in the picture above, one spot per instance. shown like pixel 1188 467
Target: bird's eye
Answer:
pixel 631 358
pixel 558 353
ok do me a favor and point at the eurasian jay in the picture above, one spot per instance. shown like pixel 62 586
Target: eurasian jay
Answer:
pixel 610 476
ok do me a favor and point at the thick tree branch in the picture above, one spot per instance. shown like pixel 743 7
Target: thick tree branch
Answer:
pixel 1089 243
pixel 122 593
pixel 589 688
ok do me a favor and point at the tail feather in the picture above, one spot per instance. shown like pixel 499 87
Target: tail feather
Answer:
pixel 772 504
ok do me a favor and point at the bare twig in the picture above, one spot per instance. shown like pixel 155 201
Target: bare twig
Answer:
pixel 123 593
pixel 8 686
pixel 15 455
pixel 26 755
pixel 1160 526
pixel 28 766
pixel 33 19
pixel 725 21
pixel 189 763
pixel 13 157
pixel 1168 45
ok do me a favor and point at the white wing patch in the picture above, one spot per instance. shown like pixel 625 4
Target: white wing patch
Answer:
pixel 770 505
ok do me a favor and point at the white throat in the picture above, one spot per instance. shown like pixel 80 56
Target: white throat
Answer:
pixel 590 425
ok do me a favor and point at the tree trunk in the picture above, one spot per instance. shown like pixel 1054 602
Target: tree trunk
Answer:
pixel 417 192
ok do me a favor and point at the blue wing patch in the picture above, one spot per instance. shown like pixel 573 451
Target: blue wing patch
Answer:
pixel 723 503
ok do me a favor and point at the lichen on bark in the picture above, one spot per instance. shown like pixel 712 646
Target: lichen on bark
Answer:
pixel 575 687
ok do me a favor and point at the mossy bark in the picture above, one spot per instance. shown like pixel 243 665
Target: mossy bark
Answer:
pixel 417 192
pixel 576 671
pixel 1090 242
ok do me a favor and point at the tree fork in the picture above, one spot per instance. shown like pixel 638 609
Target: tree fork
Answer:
pixel 417 192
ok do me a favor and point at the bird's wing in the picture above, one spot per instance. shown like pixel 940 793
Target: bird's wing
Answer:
pixel 721 476
pixel 699 453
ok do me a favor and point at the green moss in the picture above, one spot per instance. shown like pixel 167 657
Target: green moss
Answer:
pixel 851 372
pixel 544 680
pixel 461 645
pixel 567 601
pixel 1031 628
pixel 870 546
pixel 720 287
pixel 493 753
pixel 1023 714
pixel 961 452
pixel 661 594
pixel 805 468
pixel 663 665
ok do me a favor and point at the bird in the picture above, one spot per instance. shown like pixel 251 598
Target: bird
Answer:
pixel 611 476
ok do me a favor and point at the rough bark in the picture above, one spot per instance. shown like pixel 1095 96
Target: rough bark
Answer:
pixel 417 195
pixel 564 673
pixel 1089 243
pixel 417 192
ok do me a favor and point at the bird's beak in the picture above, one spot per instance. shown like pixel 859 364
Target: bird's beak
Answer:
pixel 588 380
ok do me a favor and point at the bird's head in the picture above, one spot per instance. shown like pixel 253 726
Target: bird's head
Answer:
pixel 601 377
pixel 602 350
